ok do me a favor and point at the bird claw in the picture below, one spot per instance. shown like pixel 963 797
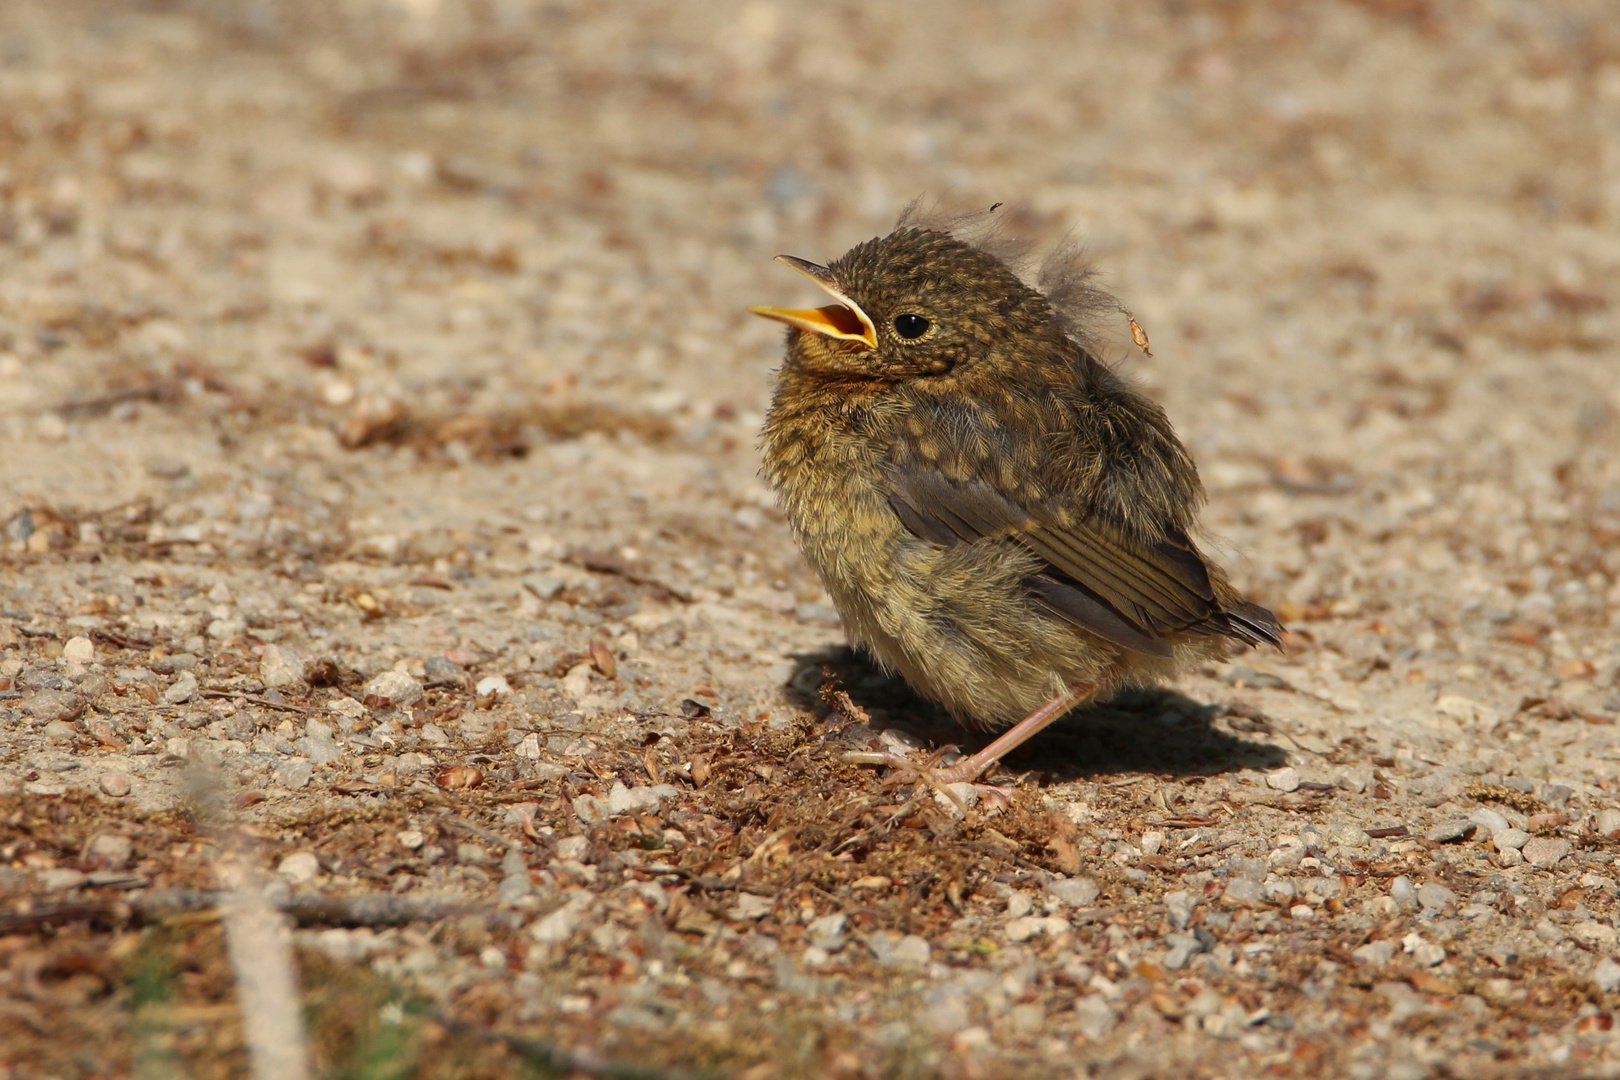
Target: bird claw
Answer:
pixel 942 781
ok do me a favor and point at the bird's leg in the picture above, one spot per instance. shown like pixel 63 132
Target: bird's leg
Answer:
pixel 970 769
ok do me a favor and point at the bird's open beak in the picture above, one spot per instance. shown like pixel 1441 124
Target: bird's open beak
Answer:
pixel 844 320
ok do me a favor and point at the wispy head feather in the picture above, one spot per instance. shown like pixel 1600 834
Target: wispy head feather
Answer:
pixel 1065 277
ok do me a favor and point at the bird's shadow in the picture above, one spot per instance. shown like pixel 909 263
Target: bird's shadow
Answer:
pixel 1152 731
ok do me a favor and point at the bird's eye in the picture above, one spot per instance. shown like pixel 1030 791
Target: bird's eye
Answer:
pixel 910 326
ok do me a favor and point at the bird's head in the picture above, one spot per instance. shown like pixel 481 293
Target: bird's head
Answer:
pixel 913 304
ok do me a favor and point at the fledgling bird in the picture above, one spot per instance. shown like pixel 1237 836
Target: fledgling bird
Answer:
pixel 997 515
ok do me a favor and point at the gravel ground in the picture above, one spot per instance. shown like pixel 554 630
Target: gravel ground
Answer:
pixel 379 506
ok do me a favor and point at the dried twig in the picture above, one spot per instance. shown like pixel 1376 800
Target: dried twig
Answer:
pixel 370 909
pixel 262 702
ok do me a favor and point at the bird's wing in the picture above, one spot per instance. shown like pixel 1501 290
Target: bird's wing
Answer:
pixel 1137 594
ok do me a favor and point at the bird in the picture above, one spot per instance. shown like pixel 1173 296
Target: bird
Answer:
pixel 998 516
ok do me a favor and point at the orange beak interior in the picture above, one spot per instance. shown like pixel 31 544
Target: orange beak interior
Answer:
pixel 843 321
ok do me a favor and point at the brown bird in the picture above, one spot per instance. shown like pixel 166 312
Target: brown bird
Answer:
pixel 997 515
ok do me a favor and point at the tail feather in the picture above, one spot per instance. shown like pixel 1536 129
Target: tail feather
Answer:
pixel 1253 624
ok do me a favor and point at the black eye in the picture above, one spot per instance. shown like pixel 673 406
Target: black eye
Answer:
pixel 910 326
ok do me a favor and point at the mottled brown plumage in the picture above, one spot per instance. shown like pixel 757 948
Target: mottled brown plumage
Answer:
pixel 997 515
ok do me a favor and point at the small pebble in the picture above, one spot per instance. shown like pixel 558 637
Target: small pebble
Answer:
pixel 1374 954
pixel 442 669
pixel 182 690
pixel 1608 824
pixel 1606 975
pixel 296 773
pixel 280 666
pixel 493 686
pixel 1179 908
pixel 964 793
pixel 1351 782
pixel 1019 904
pixel 590 809
pixel 1243 891
pixel 1284 779
pixel 573 848
pixel 1489 820
pixel 1510 839
pixel 59 879
pixel 59 731
pixel 1094 1016
pixel 1349 836
pixel 394 687
pixel 301 867
pixel 1076 892
pixel 1027 1018
pixel 1429 954
pixel 827 932
pixel 110 850
pixel 114 785
pixel 1545 851
pixel 410 839
pixel 1556 794
pixel 1402 892
pixel 892 950
pixel 749 906
pixel 59 705
pixel 1455 829
pixel 559 926
pixel 174 663
pixel 1432 896
pixel 78 650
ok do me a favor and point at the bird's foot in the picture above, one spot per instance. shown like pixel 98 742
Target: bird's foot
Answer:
pixel 954 784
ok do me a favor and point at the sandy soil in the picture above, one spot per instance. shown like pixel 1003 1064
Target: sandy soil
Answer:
pixel 379 505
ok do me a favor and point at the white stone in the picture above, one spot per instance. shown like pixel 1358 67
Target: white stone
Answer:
pixel 78 650
pixel 1428 954
pixel 1374 954
pixel 623 800
pixel 1076 892
pixel 1179 908
pixel 182 690
pixel 399 688
pixel 494 686
pixel 963 796
pixel 1489 820
pixel 301 867
pixel 559 926
pixel 912 951
pixel 1546 851
pixel 1607 975
pixel 1608 824
pixel 1510 837
pixel 1094 1016
pixel 750 906
pixel 1283 779
pixel 280 666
